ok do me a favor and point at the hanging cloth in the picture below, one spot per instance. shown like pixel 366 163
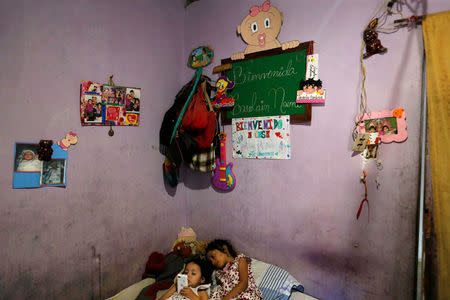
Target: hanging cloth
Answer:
pixel 437 45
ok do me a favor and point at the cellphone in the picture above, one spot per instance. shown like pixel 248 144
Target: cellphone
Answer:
pixel 182 281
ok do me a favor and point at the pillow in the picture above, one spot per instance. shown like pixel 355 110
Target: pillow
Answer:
pixel 273 281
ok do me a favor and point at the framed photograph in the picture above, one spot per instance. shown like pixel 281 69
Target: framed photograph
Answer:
pixel 26 158
pixel 53 172
pixel 389 124
pixel 113 94
pixel 133 100
pixel 92 109
pixel 90 88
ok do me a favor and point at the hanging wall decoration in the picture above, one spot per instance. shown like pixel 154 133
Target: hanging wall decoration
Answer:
pixel 221 99
pixel 372 129
pixel 223 178
pixel 104 104
pixel 390 125
pixel 260 29
pixel 267 73
pixel 42 164
pixel 262 137
pixel 371 40
pixel 310 89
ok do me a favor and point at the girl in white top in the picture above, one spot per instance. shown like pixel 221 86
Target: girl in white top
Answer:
pixel 199 274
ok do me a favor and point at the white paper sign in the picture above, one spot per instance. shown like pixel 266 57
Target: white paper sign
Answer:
pixel 312 67
pixel 262 137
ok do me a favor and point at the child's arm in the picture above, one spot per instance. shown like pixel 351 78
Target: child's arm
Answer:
pixel 169 292
pixel 188 293
pixel 243 280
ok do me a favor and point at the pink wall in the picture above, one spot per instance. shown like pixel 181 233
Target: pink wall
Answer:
pixel 300 213
pixel 115 199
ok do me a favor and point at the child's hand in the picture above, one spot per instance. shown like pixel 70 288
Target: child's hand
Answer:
pixel 188 293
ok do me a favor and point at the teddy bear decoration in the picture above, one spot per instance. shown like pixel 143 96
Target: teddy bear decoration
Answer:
pixel 260 29
pixel 45 150
pixel 370 38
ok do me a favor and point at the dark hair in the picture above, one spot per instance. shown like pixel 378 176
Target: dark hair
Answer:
pixel 205 267
pixel 218 244
pixel 312 82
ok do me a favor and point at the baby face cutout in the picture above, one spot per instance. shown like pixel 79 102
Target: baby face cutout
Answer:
pixel 262 29
pixel 71 139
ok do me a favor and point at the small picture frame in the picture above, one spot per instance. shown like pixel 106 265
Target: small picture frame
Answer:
pixel 26 158
pixel 53 172
pixel 389 124
pixel 133 100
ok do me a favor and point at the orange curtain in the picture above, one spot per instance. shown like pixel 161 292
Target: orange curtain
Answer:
pixel 437 51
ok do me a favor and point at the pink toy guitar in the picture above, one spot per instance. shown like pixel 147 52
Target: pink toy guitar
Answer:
pixel 223 176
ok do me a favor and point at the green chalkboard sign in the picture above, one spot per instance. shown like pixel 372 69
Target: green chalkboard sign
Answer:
pixel 266 84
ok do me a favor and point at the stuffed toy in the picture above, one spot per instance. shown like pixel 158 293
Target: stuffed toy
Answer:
pixel 183 249
pixel 201 247
pixel 155 263
pixel 184 245
pixel 370 37
pixel 187 235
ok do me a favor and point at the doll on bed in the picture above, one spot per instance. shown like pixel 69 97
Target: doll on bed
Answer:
pixel 233 271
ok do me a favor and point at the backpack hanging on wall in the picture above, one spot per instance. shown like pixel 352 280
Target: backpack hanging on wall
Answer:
pixel 185 144
pixel 185 141
pixel 204 160
pixel 205 137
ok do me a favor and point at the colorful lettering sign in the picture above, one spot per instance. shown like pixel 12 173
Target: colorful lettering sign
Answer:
pixel 261 137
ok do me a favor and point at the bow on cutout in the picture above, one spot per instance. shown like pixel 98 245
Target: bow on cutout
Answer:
pixel 254 10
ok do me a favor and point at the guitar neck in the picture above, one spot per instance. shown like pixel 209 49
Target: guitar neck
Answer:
pixel 223 153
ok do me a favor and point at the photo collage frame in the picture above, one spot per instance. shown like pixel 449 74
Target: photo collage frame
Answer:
pixel 30 172
pixel 109 105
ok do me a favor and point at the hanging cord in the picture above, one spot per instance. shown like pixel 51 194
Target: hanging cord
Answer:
pixel 363 108
pixel 197 76
pixel 365 198
pixel 381 14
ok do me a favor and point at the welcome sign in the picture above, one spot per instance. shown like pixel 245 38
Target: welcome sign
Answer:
pixel 261 137
pixel 266 84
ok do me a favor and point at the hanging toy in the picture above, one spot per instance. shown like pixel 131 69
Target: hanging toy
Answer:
pixel 221 99
pixel 370 37
pixel 198 58
pixel 201 57
pixel 223 178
